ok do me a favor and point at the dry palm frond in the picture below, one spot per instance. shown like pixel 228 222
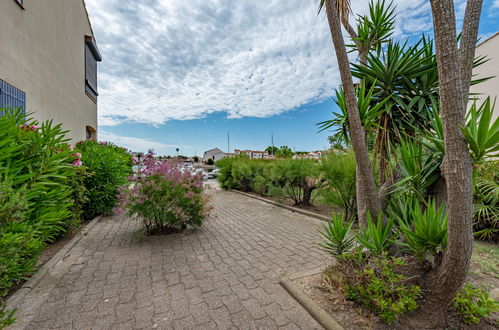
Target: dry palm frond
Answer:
pixel 343 7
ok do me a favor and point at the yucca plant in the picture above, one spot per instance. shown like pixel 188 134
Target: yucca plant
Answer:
pixel 376 237
pixel 338 239
pixel 419 168
pixel 427 231
pixel 481 133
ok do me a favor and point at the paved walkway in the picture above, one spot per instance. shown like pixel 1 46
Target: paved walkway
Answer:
pixel 223 276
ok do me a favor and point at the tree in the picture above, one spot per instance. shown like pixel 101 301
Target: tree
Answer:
pixel 454 69
pixel 367 195
pixel 272 150
pixel 284 152
pixel 195 159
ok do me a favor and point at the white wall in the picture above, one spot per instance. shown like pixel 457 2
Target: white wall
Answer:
pixel 490 48
pixel 42 53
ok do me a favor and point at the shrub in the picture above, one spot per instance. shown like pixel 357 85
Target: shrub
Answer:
pixel 338 239
pixel 426 231
pixel 376 237
pixel 380 288
pixel 473 304
pixel 165 199
pixel 486 200
pixel 36 194
pixel 108 168
pixel 210 161
pixel 338 170
pixel 6 316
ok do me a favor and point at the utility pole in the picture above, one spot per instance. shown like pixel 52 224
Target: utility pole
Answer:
pixel 228 142
pixel 272 142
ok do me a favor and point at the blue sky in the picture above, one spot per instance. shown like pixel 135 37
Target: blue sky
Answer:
pixel 184 73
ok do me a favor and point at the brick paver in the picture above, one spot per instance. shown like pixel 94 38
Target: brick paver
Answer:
pixel 223 276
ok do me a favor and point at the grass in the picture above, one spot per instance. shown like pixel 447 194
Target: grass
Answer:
pixel 486 255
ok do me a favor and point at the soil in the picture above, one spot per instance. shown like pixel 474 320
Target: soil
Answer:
pixel 483 273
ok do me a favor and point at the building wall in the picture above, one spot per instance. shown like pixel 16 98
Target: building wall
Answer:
pixel 489 48
pixel 42 53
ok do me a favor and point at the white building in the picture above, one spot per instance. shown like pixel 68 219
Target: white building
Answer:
pixel 252 153
pixel 213 154
pixel 490 49
pixel 48 63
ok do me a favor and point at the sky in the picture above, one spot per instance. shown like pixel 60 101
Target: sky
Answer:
pixel 188 74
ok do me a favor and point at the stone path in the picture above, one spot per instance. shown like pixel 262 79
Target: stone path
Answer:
pixel 223 276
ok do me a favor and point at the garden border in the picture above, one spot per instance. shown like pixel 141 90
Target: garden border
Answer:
pixel 316 311
pixel 290 208
pixel 18 297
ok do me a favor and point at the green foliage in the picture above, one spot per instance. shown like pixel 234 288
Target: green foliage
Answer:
pixel 376 237
pixel 338 171
pixel 284 152
pixel 473 304
pixel 376 28
pixel 338 239
pixel 380 288
pixel 108 168
pixel 425 232
pixel 418 168
pixel 36 194
pixel 165 199
pixel 6 317
pixel 486 200
pixel 296 179
pixel 481 133
pixel 210 161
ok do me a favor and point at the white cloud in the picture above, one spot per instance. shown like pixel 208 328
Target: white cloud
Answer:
pixel 138 144
pixel 174 59
pixel 496 4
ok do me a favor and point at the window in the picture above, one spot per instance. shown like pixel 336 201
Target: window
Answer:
pixel 20 3
pixel 90 133
pixel 11 97
pixel 92 56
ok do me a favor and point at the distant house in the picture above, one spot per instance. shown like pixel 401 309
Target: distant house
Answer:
pixel 213 154
pixel 48 63
pixel 490 49
pixel 252 153
pixel 311 155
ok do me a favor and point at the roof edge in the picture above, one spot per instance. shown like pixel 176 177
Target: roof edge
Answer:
pixel 488 39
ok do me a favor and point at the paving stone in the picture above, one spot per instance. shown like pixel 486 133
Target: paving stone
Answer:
pixel 222 276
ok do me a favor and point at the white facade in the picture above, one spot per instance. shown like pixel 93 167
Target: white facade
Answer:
pixel 252 153
pixel 490 49
pixel 213 154
pixel 44 60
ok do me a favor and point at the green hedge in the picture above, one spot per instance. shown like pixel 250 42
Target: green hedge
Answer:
pixel 108 168
pixel 36 192
pixel 330 180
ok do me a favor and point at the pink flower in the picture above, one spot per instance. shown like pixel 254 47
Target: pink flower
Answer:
pixel 77 163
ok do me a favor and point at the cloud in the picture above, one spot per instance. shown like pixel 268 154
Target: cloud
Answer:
pixel 173 59
pixel 138 144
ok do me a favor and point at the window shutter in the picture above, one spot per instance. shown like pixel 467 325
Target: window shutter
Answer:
pixel 11 97
pixel 90 72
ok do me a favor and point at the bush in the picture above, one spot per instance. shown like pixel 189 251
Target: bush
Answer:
pixel 376 237
pixel 473 304
pixel 36 193
pixel 338 170
pixel 486 201
pixel 108 167
pixel 379 287
pixel 165 199
pixel 338 239
pixel 210 162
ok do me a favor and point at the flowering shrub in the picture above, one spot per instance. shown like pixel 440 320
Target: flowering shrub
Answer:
pixel 108 167
pixel 37 194
pixel 165 198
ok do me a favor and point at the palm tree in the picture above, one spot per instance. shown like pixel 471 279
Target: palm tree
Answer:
pixel 337 11
pixel 177 149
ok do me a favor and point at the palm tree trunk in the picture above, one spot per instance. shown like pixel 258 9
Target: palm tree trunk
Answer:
pixel 443 284
pixel 367 195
